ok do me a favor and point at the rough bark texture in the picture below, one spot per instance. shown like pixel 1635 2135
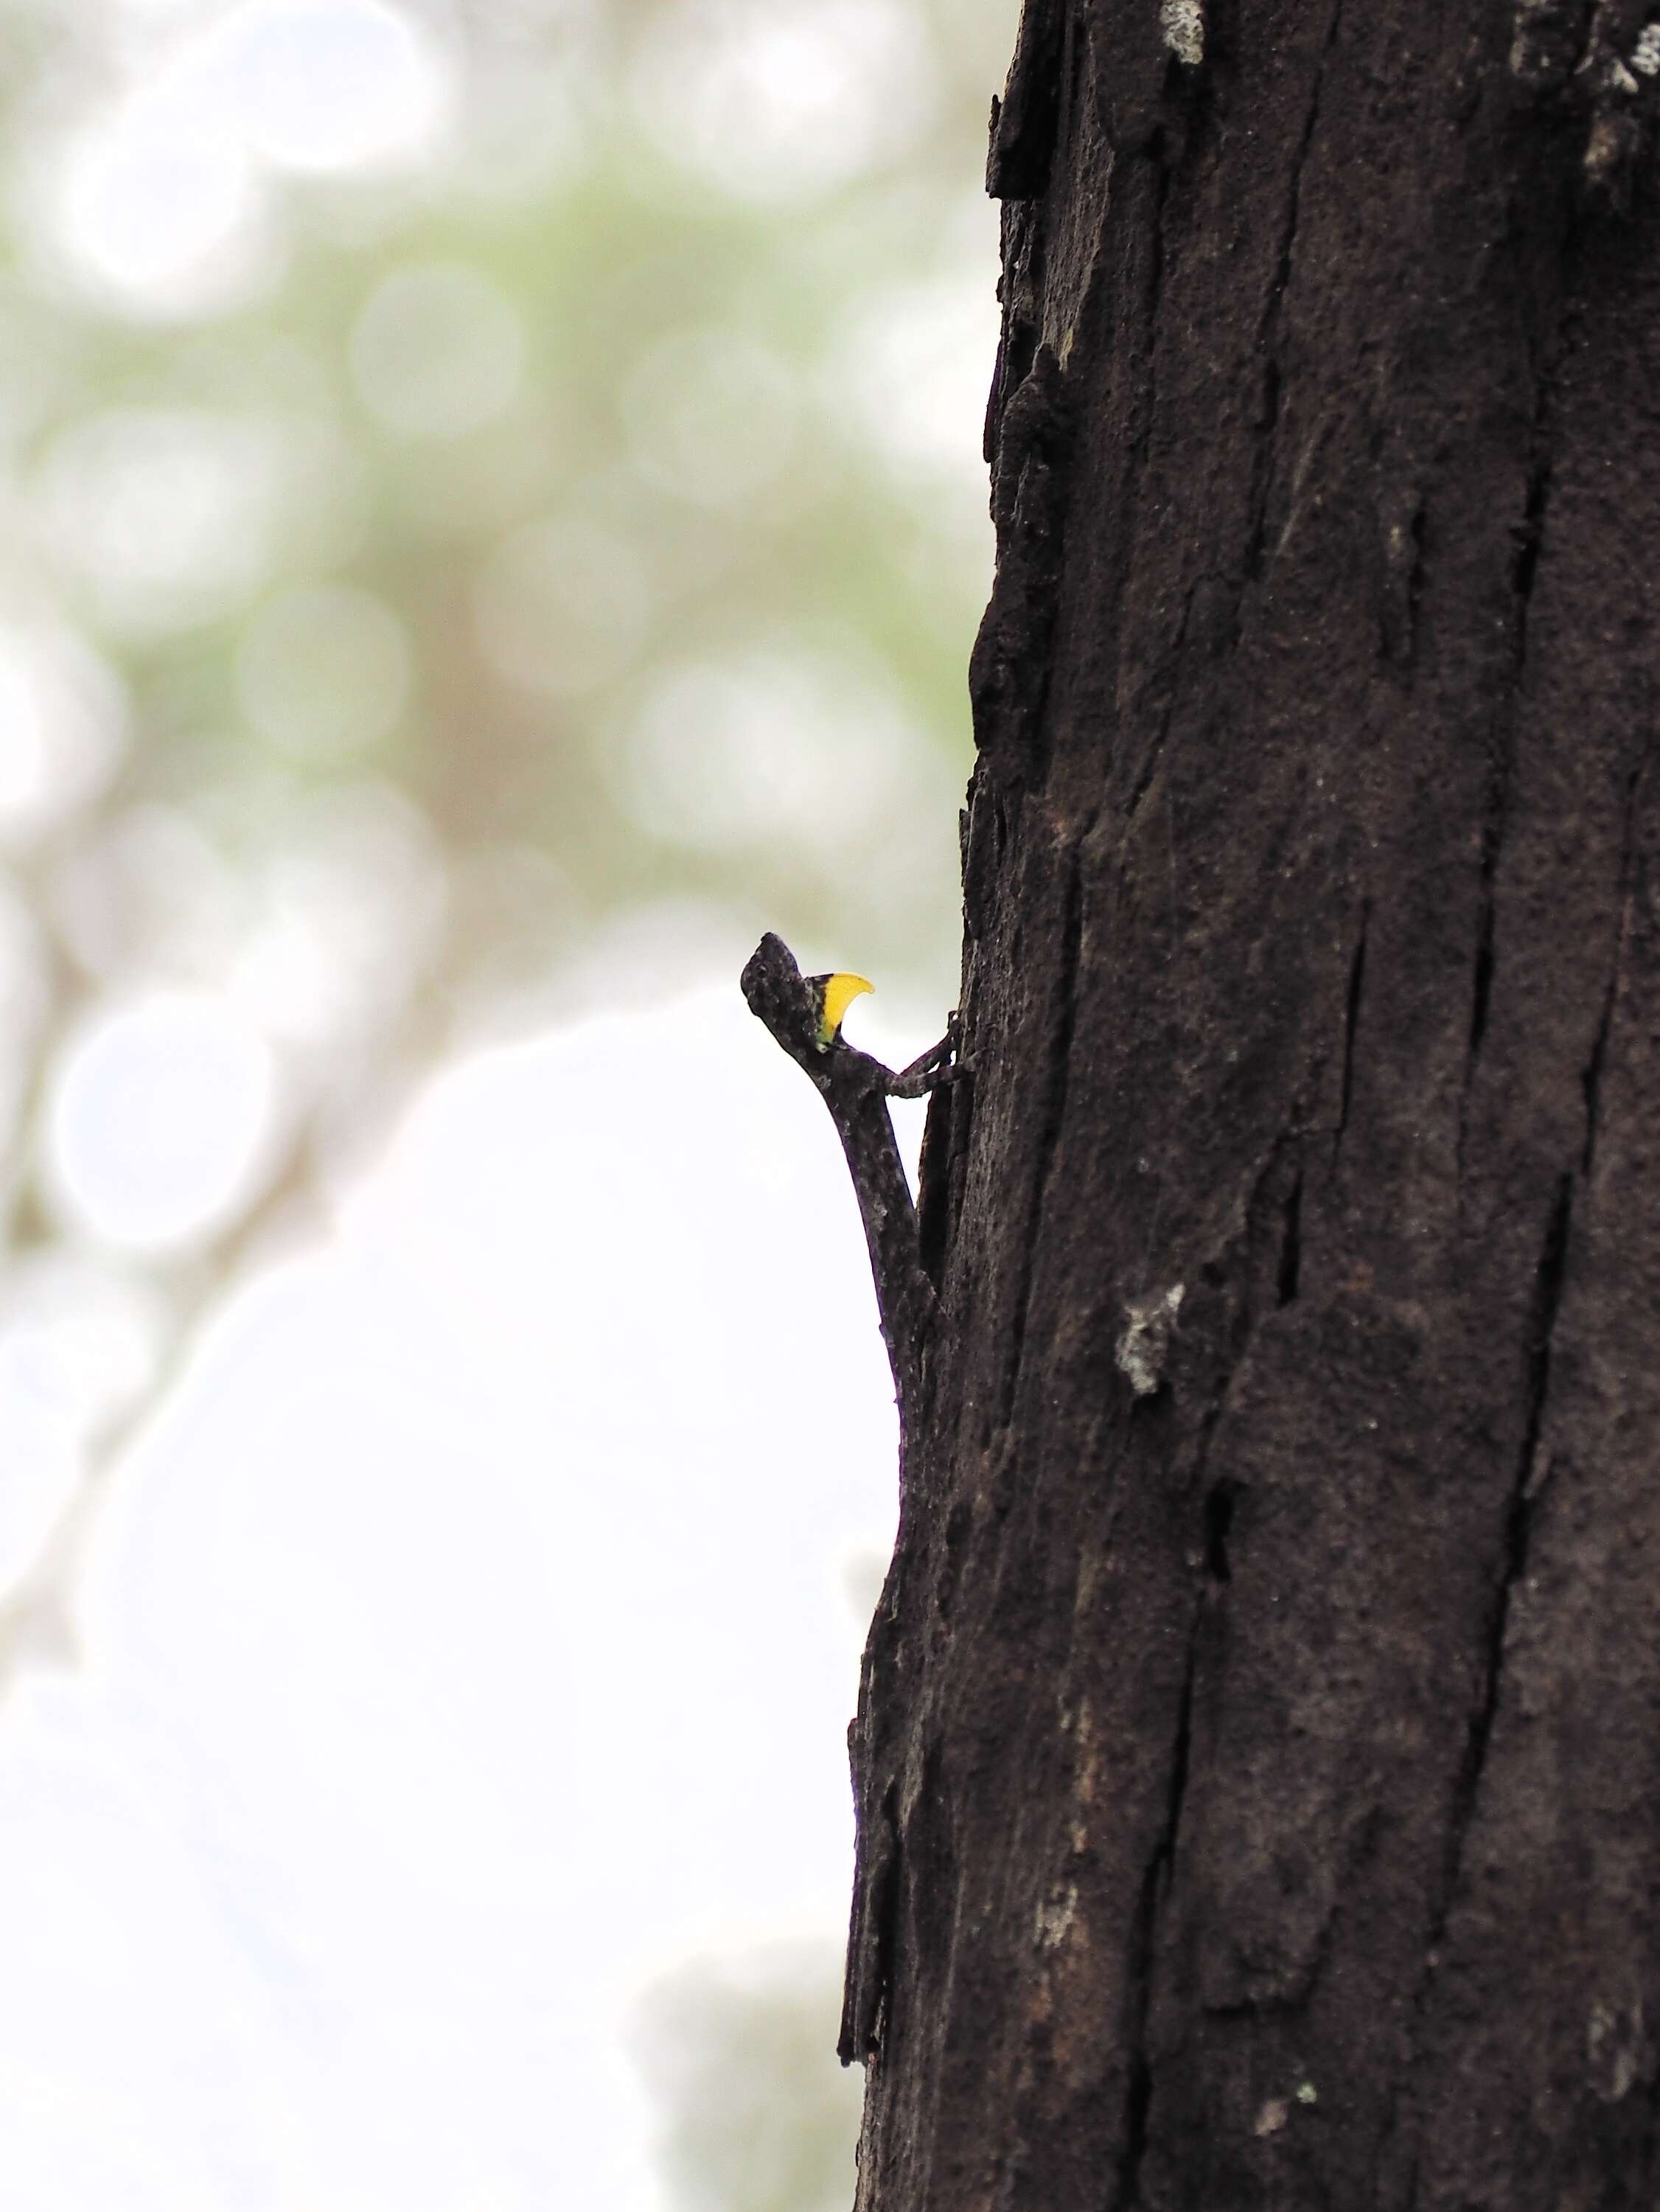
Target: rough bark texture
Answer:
pixel 1258 1757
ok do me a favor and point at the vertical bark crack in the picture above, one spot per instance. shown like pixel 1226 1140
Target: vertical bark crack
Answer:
pixel 1269 328
pixel 1290 1248
pixel 1530 533
pixel 1591 1080
pixel 1149 767
pixel 1060 1054
pixel 1481 980
pixel 1156 1888
pixel 1154 287
pixel 1357 976
pixel 1218 1526
pixel 1545 1305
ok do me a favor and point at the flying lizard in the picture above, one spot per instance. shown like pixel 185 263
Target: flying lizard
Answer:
pixel 804 1014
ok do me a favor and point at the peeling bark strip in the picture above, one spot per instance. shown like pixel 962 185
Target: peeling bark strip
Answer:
pixel 1258 1760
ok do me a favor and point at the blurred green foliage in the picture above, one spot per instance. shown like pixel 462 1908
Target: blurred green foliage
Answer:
pixel 462 583
pixel 468 564
pixel 647 471
pixel 449 587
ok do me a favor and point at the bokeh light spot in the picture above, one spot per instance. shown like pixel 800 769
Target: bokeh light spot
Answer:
pixel 160 1123
pixel 158 206
pixel 330 84
pixel 711 414
pixel 167 513
pixel 437 351
pixel 25 969
pixel 352 902
pixel 562 605
pixel 912 362
pixel 63 728
pixel 322 672
pixel 778 98
pixel 784 742
pixel 146 892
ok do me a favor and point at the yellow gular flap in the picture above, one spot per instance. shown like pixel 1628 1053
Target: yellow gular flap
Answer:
pixel 839 993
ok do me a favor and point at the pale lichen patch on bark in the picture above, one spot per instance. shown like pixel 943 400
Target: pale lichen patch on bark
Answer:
pixel 1150 1324
pixel 1055 1916
pixel 1617 2049
pixel 1546 37
pixel 1182 25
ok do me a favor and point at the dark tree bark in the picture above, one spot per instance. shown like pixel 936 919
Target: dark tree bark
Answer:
pixel 1258 1756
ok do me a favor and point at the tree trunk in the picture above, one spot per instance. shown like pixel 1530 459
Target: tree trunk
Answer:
pixel 1258 1756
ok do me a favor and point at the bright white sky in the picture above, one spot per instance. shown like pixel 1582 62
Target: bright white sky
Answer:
pixel 469 1640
